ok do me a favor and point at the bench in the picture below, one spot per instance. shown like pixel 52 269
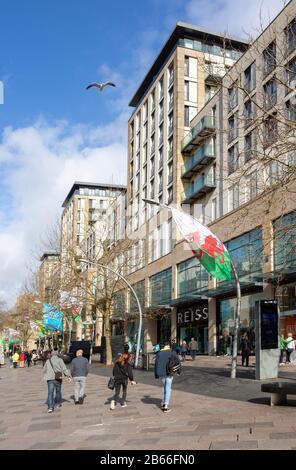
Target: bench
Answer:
pixel 279 391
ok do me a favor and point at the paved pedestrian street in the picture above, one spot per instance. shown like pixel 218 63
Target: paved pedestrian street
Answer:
pixel 209 411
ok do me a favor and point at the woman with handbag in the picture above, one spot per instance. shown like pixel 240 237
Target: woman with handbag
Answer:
pixel 122 373
pixel 53 372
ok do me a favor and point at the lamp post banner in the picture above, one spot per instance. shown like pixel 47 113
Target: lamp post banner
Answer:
pixel 52 318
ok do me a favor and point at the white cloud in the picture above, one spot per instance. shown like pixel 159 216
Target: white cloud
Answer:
pixel 239 17
pixel 42 162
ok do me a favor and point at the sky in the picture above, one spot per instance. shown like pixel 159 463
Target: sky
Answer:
pixel 52 130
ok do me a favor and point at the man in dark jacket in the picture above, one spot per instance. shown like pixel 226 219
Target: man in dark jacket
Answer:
pixel 160 371
pixel 79 371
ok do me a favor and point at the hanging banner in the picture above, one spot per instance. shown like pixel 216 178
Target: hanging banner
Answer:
pixel 52 318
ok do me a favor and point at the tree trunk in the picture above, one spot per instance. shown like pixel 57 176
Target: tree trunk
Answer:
pixel 108 334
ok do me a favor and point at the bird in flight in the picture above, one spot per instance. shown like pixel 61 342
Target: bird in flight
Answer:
pixel 101 86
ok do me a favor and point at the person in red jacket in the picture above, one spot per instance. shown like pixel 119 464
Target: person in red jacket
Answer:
pixel 22 359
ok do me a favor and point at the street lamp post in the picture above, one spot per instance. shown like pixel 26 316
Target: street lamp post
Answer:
pixel 136 297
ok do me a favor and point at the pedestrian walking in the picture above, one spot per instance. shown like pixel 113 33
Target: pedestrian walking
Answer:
pixel 15 359
pixel 28 358
pixel 53 372
pixel 122 373
pixel 245 347
pixel 10 354
pixel 193 348
pixel 34 357
pixel 79 372
pixel 184 349
pixel 22 359
pixel 166 359
pixel 290 347
pixel 283 344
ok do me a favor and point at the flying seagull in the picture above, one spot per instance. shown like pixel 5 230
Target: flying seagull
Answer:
pixel 101 86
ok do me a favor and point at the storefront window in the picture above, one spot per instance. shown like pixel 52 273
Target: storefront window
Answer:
pixel 118 305
pixel 286 297
pixel 191 277
pixel 246 252
pixel 164 329
pixel 139 288
pixel 284 241
pixel 249 307
pixel 161 288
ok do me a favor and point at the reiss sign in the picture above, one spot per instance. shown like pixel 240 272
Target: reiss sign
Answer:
pixel 197 313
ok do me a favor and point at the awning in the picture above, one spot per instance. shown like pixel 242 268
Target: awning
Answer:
pixel 281 276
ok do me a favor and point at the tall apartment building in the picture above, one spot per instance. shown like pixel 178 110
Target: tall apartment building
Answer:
pixel 234 170
pixel 183 78
pixel 49 272
pixel 85 208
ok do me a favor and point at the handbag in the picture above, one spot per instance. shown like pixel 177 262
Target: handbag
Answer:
pixel 111 383
pixel 57 375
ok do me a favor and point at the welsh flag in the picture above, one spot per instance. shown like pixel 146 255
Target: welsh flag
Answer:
pixel 36 328
pixel 75 312
pixel 211 252
pixel 43 330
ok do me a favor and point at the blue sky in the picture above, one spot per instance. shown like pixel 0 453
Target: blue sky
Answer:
pixel 53 131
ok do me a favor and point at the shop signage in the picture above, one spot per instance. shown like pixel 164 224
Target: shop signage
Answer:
pixel 193 314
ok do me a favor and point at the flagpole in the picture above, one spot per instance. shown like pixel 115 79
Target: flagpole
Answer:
pixel 236 322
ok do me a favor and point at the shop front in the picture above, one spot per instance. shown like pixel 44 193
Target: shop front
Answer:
pixel 193 322
pixel 286 296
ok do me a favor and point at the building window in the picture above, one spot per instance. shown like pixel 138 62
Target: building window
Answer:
pixel 249 112
pixel 152 122
pixel 270 94
pixel 138 121
pixel 171 149
pixel 153 101
pixel 186 66
pixel 145 153
pixel 170 195
pixel 160 135
pixel 145 111
pixel 160 153
pixel 171 74
pixel 249 146
pixel 210 90
pixel 152 193
pixel 152 167
pixel 235 196
pixel 253 185
pixel 291 111
pixel 233 159
pixel 186 90
pixel 273 173
pixel 161 288
pixel 152 145
pixel 214 209
pixel 171 99
pixel 145 132
pixel 145 174
pixel 186 116
pixel 246 252
pixel 233 97
pixel 269 58
pixel 250 77
pixel 160 112
pixel 192 277
pixel 290 33
pixel 160 89
pixel 270 131
pixel 160 181
pixel 284 241
pixel 170 173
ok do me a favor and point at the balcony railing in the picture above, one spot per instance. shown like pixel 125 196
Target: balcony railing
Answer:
pixel 194 163
pixel 198 188
pixel 214 73
pixel 199 132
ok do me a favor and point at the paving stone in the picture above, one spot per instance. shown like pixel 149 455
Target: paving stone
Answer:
pixel 228 445
pixel 283 435
pixel 44 426
pixel 45 445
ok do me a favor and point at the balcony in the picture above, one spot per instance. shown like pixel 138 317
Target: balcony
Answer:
pixel 214 73
pixel 198 188
pixel 204 156
pixel 199 132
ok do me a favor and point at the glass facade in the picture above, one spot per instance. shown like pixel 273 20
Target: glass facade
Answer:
pixel 226 315
pixel 118 305
pixel 191 277
pixel 161 288
pixel 209 48
pixel 285 241
pixel 246 252
pixel 139 288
